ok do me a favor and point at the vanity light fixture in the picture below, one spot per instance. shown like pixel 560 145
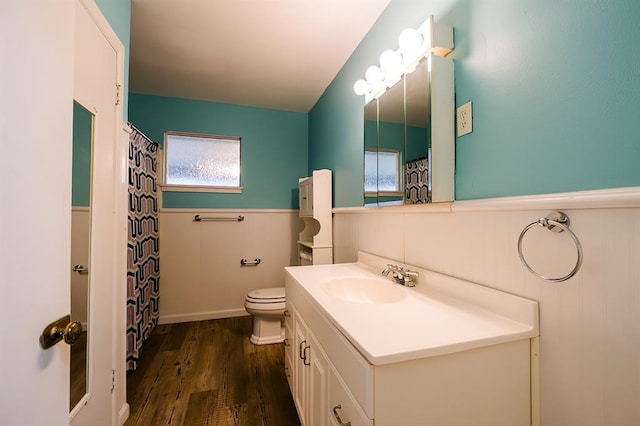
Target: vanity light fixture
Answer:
pixel 429 38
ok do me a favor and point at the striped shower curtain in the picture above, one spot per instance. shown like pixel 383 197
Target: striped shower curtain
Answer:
pixel 143 273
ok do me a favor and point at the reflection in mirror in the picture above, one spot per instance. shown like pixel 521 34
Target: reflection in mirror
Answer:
pixel 391 145
pixel 371 153
pixel 417 142
pixel 80 237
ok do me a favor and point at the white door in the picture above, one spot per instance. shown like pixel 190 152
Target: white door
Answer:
pixel 36 105
pixel 95 89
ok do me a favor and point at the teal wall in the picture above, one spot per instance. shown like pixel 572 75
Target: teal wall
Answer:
pixel 118 14
pixel 555 88
pixel 274 149
pixel 417 142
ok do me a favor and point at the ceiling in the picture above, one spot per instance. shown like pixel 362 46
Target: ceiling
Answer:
pixel 277 54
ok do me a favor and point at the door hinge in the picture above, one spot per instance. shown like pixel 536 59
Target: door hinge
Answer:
pixel 113 380
pixel 118 90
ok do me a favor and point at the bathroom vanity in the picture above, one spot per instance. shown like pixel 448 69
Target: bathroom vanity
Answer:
pixel 361 349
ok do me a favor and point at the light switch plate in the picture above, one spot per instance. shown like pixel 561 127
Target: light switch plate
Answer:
pixel 464 119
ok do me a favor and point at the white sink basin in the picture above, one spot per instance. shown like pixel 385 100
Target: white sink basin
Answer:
pixel 364 290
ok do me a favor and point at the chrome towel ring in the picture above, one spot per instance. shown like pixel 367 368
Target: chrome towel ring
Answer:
pixel 557 222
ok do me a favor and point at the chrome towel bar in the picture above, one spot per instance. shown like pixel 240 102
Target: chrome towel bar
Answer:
pixel 557 222
pixel 198 218
pixel 245 262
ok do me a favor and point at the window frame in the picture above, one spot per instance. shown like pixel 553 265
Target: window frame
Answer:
pixel 170 187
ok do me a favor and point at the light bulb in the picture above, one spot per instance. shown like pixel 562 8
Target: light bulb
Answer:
pixel 361 87
pixel 410 39
pixel 390 60
pixel 373 74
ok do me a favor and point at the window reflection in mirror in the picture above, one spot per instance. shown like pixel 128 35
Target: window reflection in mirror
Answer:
pixel 80 237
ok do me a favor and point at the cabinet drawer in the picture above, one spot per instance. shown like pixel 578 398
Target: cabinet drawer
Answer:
pixel 343 404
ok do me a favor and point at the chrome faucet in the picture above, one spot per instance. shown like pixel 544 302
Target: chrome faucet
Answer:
pixel 401 276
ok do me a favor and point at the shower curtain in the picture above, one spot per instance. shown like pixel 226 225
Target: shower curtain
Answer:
pixel 417 181
pixel 143 269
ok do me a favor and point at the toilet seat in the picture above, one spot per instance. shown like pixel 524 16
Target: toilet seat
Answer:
pixel 267 296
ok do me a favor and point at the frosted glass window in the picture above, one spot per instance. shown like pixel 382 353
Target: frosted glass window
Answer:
pixel 381 171
pixel 371 171
pixel 198 160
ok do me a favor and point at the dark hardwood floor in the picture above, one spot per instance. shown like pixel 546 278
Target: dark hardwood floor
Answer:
pixel 209 373
pixel 78 382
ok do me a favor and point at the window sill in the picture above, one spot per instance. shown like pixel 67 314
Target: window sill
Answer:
pixel 196 188
pixel 384 194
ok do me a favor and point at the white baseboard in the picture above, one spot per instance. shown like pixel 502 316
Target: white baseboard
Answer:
pixel 201 316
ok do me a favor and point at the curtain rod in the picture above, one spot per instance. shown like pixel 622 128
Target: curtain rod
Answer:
pixel 140 132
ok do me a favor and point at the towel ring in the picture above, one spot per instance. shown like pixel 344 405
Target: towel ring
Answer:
pixel 556 222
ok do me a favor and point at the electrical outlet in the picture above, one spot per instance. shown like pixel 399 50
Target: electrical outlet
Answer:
pixel 464 119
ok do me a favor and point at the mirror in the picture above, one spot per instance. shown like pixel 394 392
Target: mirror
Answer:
pixel 371 153
pixel 391 149
pixel 80 245
pixel 415 150
pixel 397 142
pixel 417 178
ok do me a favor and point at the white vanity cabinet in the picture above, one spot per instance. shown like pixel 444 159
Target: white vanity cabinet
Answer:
pixel 316 386
pixel 334 382
pixel 315 241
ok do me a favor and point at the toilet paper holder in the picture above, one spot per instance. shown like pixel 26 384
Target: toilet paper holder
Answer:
pixel 245 262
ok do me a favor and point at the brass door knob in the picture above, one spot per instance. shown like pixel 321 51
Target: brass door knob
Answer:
pixel 61 329
pixel 72 332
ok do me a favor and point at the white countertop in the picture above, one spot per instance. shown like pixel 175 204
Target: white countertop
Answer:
pixel 441 315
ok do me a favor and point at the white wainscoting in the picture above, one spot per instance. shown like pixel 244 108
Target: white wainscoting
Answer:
pixel 590 324
pixel 201 277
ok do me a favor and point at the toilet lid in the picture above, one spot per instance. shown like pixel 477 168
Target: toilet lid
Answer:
pixel 267 295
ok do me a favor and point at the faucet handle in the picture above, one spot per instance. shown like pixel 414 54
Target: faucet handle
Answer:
pixel 412 274
pixel 410 278
pixel 388 269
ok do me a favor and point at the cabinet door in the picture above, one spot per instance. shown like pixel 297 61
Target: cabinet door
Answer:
pixel 318 382
pixel 306 197
pixel 301 371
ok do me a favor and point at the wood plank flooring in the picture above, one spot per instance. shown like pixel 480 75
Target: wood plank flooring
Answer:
pixel 209 373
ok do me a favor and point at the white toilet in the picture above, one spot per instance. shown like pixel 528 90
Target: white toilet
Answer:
pixel 267 307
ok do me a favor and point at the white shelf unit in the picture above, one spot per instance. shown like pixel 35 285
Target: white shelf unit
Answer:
pixel 315 241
